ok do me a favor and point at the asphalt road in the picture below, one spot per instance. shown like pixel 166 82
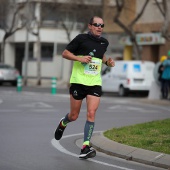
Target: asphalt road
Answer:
pixel 28 120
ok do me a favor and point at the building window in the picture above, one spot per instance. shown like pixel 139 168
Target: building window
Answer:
pixel 20 50
pixel 72 15
pixel 30 50
pixel 47 51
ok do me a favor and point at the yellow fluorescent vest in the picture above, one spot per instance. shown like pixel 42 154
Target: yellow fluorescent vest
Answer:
pixel 87 74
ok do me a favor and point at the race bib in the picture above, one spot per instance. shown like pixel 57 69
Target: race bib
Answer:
pixel 92 68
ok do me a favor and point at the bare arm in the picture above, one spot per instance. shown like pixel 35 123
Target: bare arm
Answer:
pixel 110 62
pixel 70 56
pixel 104 59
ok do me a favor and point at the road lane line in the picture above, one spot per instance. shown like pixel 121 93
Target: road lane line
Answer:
pixel 37 105
pixel 59 147
pixel 114 107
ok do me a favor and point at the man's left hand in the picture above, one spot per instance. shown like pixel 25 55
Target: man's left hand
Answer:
pixel 110 62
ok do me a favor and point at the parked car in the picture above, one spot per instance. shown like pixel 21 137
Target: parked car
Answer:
pixel 128 76
pixel 8 74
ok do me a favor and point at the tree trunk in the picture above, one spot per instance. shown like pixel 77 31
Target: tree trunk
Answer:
pixel 166 25
pixel 38 55
pixel 26 55
pixel 2 51
pixel 120 6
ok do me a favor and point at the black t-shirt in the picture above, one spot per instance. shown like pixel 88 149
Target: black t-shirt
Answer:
pixel 83 44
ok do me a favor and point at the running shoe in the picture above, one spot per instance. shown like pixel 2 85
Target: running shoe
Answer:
pixel 59 131
pixel 87 152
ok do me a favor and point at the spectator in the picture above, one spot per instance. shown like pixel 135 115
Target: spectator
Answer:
pixel 160 71
pixel 166 76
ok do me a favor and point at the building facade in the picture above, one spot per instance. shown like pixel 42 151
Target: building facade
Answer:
pixel 150 25
pixel 147 29
pixel 57 22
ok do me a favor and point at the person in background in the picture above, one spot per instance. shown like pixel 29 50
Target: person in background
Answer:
pixel 160 71
pixel 88 53
pixel 166 76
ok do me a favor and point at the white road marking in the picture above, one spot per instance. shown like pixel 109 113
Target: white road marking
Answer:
pixel 45 110
pixel 141 109
pixel 132 108
pixel 37 105
pixel 59 147
pixel 114 107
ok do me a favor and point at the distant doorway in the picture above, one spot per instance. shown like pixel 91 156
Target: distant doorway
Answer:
pixel 19 56
pixel 155 53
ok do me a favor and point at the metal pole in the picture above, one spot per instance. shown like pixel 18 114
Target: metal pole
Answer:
pixel 26 54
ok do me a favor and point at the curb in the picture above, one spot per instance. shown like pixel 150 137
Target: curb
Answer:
pixel 103 144
pixel 155 102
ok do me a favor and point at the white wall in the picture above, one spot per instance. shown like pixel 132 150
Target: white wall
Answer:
pixel 58 67
pixel 1 35
pixel 151 13
pixel 46 35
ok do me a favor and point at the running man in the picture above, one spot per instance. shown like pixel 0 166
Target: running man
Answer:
pixel 88 53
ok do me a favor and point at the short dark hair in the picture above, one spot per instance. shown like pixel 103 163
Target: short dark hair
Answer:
pixel 92 18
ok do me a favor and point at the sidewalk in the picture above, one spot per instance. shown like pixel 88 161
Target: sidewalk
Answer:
pixel 103 144
pixel 161 102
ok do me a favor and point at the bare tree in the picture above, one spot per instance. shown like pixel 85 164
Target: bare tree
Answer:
pixel 36 25
pixel 10 27
pixel 32 26
pixel 38 51
pixel 79 14
pixel 120 6
pixel 164 8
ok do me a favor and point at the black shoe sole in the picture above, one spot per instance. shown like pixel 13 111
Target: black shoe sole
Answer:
pixel 56 136
pixel 89 155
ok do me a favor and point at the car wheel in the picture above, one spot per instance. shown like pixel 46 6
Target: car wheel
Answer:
pixel 122 91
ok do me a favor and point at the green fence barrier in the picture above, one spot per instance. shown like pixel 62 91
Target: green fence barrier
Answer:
pixel 19 84
pixel 53 85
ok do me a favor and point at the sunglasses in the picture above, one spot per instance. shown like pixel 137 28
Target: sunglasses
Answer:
pixel 98 25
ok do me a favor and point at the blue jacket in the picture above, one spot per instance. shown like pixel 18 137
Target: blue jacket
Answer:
pixel 166 71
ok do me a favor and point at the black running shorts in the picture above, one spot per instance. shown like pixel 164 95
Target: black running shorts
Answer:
pixel 79 91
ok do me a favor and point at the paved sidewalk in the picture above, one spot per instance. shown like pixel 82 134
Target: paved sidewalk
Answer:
pixel 161 102
pixel 110 147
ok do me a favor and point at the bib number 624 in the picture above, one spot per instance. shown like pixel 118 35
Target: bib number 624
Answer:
pixel 93 67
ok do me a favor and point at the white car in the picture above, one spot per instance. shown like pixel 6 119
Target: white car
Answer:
pixel 128 76
pixel 8 74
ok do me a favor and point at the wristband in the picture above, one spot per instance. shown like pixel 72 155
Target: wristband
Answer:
pixel 106 63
